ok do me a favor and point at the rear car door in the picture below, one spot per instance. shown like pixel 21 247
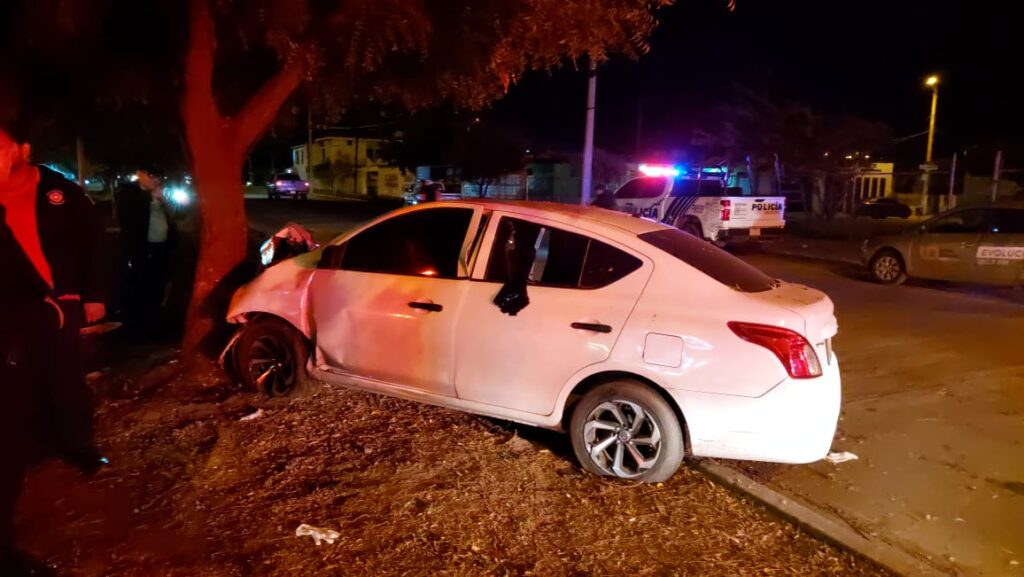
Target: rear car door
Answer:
pixel 947 246
pixel 387 308
pixel 582 290
pixel 1000 256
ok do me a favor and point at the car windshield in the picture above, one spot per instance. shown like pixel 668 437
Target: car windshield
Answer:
pixel 711 260
pixel 287 176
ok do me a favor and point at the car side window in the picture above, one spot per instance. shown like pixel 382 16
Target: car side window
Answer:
pixel 1008 221
pixel 962 222
pixel 557 257
pixel 422 243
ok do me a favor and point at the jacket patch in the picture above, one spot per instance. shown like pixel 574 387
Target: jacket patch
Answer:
pixel 55 197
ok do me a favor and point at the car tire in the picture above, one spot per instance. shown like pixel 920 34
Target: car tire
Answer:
pixel 270 358
pixel 691 228
pixel 887 267
pixel 604 431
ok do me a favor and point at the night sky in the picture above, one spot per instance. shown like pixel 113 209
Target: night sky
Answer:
pixel 867 58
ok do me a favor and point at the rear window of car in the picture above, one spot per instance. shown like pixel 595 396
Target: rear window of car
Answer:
pixel 643 187
pixel 694 187
pixel 287 176
pixel 711 260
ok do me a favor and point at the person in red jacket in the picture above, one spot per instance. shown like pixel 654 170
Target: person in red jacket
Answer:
pixel 48 291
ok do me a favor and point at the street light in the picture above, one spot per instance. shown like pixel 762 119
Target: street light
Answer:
pixel 933 83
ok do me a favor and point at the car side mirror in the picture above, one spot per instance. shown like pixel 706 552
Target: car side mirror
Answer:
pixel 332 257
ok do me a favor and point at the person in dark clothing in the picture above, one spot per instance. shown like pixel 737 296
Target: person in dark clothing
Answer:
pixel 47 409
pixel 147 236
pixel 603 198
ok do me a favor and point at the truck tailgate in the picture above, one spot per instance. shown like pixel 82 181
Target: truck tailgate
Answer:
pixel 755 212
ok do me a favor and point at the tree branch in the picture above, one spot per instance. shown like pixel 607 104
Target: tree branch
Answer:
pixel 262 108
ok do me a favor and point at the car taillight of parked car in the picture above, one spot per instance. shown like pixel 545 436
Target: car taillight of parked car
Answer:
pixel 796 354
pixel 279 183
pixel 726 209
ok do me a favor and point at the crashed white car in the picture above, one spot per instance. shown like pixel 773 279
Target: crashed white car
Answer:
pixel 643 342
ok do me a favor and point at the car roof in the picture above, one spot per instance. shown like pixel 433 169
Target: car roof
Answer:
pixel 571 214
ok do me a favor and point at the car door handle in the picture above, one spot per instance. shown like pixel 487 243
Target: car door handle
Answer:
pixel 592 327
pixel 426 306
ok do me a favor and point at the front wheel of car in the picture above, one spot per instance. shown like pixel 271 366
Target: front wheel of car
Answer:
pixel 626 429
pixel 887 267
pixel 271 358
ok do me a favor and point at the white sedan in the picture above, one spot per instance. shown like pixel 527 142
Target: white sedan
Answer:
pixel 644 343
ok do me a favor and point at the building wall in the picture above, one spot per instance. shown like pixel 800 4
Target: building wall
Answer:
pixel 354 167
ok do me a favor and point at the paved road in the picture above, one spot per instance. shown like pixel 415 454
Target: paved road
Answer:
pixel 324 219
pixel 933 405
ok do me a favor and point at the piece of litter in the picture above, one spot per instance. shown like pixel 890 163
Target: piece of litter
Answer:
pixel 317 533
pixel 252 416
pixel 959 520
pixel 929 517
pixel 1014 562
pixel 836 458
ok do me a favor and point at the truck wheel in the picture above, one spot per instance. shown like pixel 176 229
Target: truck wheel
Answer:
pixel 692 228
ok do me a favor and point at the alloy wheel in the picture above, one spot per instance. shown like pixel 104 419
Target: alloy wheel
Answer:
pixel 622 438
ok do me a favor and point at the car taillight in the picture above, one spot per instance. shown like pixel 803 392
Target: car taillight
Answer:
pixel 796 354
pixel 726 209
pixel 279 183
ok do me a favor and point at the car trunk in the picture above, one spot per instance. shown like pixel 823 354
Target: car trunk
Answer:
pixel 812 305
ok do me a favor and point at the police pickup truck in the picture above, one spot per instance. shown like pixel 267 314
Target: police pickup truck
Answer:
pixel 697 204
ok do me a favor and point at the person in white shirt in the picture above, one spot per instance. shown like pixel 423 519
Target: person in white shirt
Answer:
pixel 147 234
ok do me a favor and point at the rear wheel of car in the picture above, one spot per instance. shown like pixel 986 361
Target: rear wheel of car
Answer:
pixel 691 227
pixel 887 267
pixel 271 358
pixel 625 429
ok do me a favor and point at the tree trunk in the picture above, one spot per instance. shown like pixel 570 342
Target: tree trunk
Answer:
pixel 222 241
pixel 218 146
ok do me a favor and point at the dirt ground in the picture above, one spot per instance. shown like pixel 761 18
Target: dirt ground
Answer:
pixel 411 489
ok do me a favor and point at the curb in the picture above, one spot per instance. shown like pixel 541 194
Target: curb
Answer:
pixel 814 522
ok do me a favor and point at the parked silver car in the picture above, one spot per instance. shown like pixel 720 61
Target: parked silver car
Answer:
pixel 982 245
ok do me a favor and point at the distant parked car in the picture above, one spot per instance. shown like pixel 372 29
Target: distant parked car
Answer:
pixel 886 207
pixel 287 184
pixel 429 191
pixel 971 245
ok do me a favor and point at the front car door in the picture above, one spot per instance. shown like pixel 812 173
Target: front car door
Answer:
pixel 386 308
pixel 581 291
pixel 947 245
pixel 1000 256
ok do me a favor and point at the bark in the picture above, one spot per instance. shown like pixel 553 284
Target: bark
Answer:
pixel 218 146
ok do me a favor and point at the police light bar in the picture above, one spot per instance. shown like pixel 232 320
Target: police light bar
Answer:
pixel 658 170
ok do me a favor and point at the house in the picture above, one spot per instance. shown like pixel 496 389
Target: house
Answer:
pixel 350 165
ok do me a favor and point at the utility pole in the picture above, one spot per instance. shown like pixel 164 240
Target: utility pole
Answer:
pixel 80 159
pixel 951 199
pixel 927 167
pixel 588 135
pixel 997 171
pixel 309 143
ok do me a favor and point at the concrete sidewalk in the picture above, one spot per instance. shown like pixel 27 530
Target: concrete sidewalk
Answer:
pixel 933 406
